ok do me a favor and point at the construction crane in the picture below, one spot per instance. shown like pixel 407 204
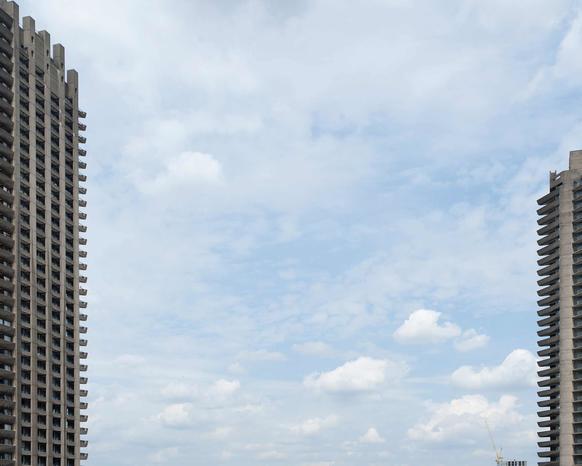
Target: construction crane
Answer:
pixel 498 453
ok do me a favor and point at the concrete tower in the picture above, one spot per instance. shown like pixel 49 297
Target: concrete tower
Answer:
pixel 41 286
pixel 561 318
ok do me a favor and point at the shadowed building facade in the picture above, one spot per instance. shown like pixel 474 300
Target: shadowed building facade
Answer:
pixel 560 301
pixel 42 345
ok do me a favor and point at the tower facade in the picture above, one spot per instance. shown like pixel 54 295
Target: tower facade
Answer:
pixel 42 345
pixel 560 314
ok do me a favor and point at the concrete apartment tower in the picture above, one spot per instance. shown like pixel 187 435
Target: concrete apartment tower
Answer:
pixel 560 315
pixel 41 321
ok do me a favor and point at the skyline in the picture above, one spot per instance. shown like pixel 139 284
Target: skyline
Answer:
pixel 312 229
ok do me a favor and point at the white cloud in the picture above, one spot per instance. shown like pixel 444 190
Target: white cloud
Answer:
pixel 518 369
pixel 372 436
pixel 423 326
pixel 463 419
pixel 315 425
pixel 187 170
pixel 176 415
pixel 471 340
pixel 361 375
pixel 225 388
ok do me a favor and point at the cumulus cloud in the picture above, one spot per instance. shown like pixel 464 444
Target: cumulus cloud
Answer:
pixel 518 369
pixel 314 426
pixel 372 436
pixel 463 419
pixel 471 340
pixel 361 375
pixel 424 326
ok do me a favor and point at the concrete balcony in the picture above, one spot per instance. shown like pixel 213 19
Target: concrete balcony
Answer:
pixel 7 64
pixel 6 285
pixel 549 341
pixel 548 250
pixel 549 423
pixel 552 371
pixel 554 318
pixel 549 290
pixel 549 279
pixel 5 78
pixel 6 48
pixel 551 196
pixel 550 238
pixel 82 139
pixel 7 168
pixel 6 196
pixel 549 207
pixel 548 218
pixel 549 300
pixel 5 32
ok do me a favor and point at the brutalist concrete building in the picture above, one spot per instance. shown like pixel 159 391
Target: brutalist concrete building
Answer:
pixel 560 435
pixel 42 344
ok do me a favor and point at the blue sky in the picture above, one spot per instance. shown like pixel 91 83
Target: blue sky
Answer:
pixel 312 224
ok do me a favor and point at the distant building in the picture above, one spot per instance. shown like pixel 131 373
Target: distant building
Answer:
pixel 560 334
pixel 514 463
